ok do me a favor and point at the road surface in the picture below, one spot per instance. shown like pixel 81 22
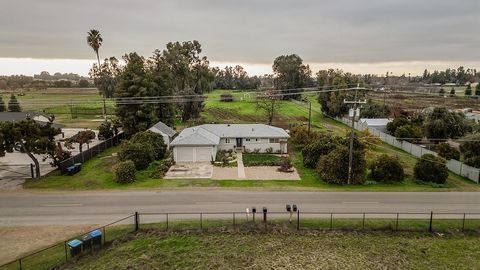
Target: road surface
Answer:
pixel 68 208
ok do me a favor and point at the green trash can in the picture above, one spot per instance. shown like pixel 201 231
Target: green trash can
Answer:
pixel 75 247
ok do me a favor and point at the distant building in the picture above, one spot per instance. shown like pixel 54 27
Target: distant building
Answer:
pixel 19 116
pixel 377 123
pixel 164 130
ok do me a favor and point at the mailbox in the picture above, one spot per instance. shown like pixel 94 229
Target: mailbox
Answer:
pixel 254 209
pixel 289 208
pixel 294 208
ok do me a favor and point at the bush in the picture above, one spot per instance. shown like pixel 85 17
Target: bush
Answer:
pixel 269 150
pixel 396 123
pixel 410 132
pixel 153 140
pixel 227 97
pixel 105 130
pixel 299 136
pixel 124 172
pixel 285 165
pixel 473 161
pixel 333 167
pixel 162 168
pixel 141 154
pixel 387 169
pixel 470 146
pixel 447 151
pixel 430 168
pixel 313 151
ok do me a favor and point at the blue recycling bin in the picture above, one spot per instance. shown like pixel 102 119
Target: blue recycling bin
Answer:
pixel 75 247
pixel 96 237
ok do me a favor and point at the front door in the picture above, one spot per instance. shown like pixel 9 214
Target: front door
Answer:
pixel 239 142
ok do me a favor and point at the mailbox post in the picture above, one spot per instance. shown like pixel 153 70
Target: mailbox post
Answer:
pixel 254 210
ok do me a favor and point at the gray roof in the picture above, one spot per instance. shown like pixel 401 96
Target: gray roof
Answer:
pixel 161 127
pixel 210 134
pixel 375 121
pixel 16 116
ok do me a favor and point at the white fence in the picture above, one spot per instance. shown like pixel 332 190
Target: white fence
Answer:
pixel 453 165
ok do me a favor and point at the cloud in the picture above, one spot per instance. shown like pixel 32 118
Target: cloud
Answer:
pixel 247 31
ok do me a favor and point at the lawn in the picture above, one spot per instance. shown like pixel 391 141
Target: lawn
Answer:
pixel 261 160
pixel 287 250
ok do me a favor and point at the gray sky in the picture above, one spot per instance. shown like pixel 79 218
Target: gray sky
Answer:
pixel 248 31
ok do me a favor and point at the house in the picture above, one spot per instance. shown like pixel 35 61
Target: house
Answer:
pixel 201 143
pixel 376 123
pixel 19 116
pixel 166 132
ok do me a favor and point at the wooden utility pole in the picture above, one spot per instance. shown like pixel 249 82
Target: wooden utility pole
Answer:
pixel 352 132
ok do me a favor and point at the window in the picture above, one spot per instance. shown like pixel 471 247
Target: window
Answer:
pixel 227 140
pixel 274 140
pixel 256 140
pixel 247 139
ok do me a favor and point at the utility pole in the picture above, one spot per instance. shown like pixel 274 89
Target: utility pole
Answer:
pixel 309 116
pixel 104 108
pixel 350 156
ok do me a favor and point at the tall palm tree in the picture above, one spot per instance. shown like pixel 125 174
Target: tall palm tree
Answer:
pixel 94 39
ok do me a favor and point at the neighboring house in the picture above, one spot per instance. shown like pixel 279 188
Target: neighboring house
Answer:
pixel 19 116
pixel 166 132
pixel 201 143
pixel 377 123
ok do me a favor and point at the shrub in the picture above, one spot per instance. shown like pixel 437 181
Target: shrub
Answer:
pixel 141 154
pixel 153 140
pixel 430 168
pixel 285 165
pixel 313 151
pixel 269 150
pixel 333 167
pixel 470 146
pixel 410 132
pixel 473 161
pixel 227 97
pixel 447 151
pixel 299 136
pixel 162 168
pixel 387 169
pixel 124 172
pixel 256 150
pixel 396 123
pixel 105 130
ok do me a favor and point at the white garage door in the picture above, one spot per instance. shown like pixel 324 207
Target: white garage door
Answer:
pixel 185 154
pixel 203 154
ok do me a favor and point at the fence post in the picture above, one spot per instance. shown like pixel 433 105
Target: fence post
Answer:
pixel 463 222
pixel 136 221
pixel 331 221
pixel 20 263
pixel 431 220
pixel 167 221
pixel 31 171
pixel 201 221
pixel 363 222
pixel 396 225
pixel 66 253
pixel 234 225
pixel 104 235
pixel 298 219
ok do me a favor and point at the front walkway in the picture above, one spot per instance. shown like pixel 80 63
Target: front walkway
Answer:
pixel 240 167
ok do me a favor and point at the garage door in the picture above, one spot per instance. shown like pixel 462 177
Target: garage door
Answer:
pixel 185 154
pixel 203 154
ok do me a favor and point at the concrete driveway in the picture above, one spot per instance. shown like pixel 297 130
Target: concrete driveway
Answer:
pixel 190 170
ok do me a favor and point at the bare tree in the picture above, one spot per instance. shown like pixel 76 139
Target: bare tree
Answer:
pixel 269 104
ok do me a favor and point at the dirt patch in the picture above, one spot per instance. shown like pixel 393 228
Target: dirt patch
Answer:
pixel 21 240
pixel 254 173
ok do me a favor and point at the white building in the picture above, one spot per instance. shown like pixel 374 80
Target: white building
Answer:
pixel 164 130
pixel 201 143
pixel 377 123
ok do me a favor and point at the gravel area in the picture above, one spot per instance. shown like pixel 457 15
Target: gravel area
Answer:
pixel 254 173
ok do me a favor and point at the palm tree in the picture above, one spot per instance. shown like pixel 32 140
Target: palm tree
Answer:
pixel 94 39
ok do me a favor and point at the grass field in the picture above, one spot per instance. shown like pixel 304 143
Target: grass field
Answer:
pixel 288 250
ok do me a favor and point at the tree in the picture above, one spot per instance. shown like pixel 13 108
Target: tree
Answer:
pixel 452 92
pixel 94 40
pixel 470 146
pixel 386 168
pixel 409 133
pixel 83 83
pixel 153 140
pixel 444 124
pixel 105 130
pixel 82 137
pixel 430 168
pixel 105 76
pixel 33 138
pixel 141 154
pixel 374 110
pixel 396 123
pixel 441 92
pixel 446 151
pixel 312 152
pixel 468 90
pixel 291 73
pixel 269 104
pixel 477 89
pixel 2 105
pixel 13 105
pixel 333 167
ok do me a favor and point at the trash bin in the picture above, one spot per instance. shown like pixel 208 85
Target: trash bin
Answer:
pixel 96 237
pixel 87 241
pixel 71 170
pixel 78 167
pixel 75 247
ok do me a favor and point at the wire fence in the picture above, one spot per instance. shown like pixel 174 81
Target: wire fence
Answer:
pixel 60 253
pixel 91 152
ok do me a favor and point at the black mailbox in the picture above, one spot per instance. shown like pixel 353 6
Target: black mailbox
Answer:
pixel 264 209
pixel 289 208
pixel 294 208
pixel 254 209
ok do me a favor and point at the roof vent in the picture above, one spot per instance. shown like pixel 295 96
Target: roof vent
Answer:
pixel 228 125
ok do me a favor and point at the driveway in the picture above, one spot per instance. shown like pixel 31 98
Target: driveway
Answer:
pixel 190 170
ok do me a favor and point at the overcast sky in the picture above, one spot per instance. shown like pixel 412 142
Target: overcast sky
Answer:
pixel 365 35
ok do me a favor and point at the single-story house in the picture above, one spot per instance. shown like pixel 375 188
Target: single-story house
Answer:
pixel 164 130
pixel 376 123
pixel 19 116
pixel 201 143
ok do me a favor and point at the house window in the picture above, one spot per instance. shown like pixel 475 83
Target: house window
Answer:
pixel 227 140
pixel 274 140
pixel 256 140
pixel 247 140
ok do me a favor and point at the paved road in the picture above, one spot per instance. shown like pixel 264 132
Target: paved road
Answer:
pixel 25 208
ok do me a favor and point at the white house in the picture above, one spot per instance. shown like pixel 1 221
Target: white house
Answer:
pixel 377 123
pixel 201 143
pixel 166 132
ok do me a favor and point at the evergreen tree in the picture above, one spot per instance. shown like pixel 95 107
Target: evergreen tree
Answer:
pixel 2 105
pixel 477 89
pixel 468 90
pixel 13 105
pixel 452 92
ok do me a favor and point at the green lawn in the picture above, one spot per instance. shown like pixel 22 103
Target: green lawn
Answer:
pixel 261 159
pixel 287 250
